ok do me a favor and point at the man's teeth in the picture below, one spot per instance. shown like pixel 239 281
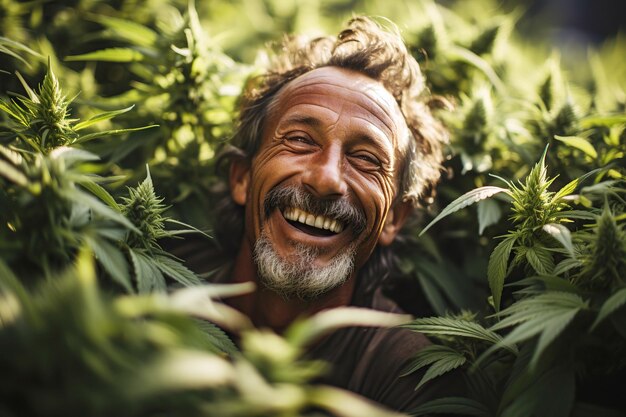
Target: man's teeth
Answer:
pixel 321 222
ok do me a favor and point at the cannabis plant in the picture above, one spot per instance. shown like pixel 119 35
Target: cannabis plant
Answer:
pixel 569 294
pixel 144 355
pixel 50 199
pixel 53 203
pixel 186 85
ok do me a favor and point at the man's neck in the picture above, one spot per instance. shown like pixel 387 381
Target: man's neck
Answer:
pixel 267 308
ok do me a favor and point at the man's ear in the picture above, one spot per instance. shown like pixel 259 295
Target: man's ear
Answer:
pixel 397 216
pixel 239 180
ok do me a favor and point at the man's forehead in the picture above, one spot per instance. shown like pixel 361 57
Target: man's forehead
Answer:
pixel 346 79
pixel 329 80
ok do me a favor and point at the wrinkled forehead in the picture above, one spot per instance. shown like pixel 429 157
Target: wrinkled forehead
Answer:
pixel 360 90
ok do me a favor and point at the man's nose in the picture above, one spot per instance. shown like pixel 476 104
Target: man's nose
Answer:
pixel 324 177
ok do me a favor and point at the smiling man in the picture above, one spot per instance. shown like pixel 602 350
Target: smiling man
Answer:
pixel 334 148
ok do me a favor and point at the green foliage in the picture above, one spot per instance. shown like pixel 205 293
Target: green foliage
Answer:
pixel 550 246
pixel 143 355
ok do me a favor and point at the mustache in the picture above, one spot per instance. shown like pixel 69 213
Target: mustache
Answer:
pixel 339 209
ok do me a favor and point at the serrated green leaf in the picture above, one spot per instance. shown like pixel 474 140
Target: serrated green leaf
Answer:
pixel 112 259
pixel 109 55
pixel 549 283
pixel 578 143
pixel 497 268
pixel 614 302
pixel 441 359
pixel 454 327
pixel 101 193
pixel 488 213
pixel 427 356
pixel 562 234
pixel 149 277
pixel 565 265
pixel 540 259
pixel 465 200
pixel 452 405
pixel 551 302
pixel 552 328
pixel 176 270
pixel 100 117
pixel 545 315
pixel 442 366
pixel 216 337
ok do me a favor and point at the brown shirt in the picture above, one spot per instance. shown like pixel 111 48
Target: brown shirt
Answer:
pixel 370 361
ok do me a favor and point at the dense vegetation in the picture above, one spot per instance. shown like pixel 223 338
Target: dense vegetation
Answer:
pixel 111 117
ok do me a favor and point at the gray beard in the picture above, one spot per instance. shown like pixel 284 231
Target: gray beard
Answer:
pixel 297 276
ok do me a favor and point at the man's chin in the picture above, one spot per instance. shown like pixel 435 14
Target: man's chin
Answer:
pixel 299 275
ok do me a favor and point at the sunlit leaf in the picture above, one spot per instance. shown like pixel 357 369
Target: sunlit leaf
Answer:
pixel 562 234
pixel 131 31
pixel 578 143
pixel 343 403
pixel 602 120
pixel 303 333
pixel 13 174
pixel 465 200
pixel 101 193
pixel 114 132
pixel 100 117
pixel 109 55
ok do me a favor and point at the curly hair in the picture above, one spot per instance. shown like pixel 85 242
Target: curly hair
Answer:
pixel 366 47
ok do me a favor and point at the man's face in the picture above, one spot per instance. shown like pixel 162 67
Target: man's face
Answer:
pixel 324 177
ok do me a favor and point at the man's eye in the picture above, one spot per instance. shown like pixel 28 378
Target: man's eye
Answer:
pixel 367 159
pixel 299 141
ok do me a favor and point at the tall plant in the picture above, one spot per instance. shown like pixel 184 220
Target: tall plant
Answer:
pixel 569 295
